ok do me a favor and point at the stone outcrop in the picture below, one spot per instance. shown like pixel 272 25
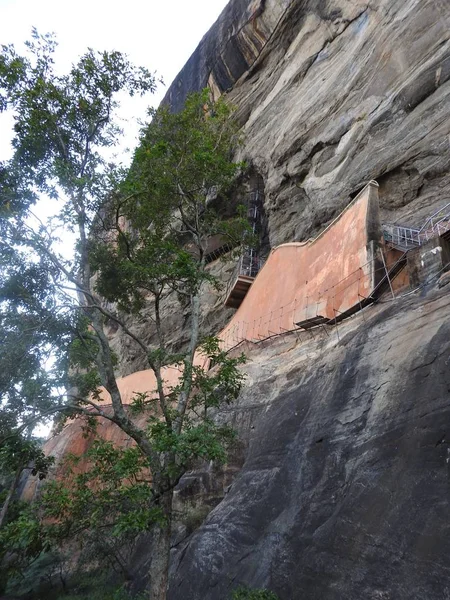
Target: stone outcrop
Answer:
pixel 335 94
pixel 323 279
pixel 339 488
pixel 229 49
pixel 318 281
pixel 343 490
pixel 330 94
pixel 339 485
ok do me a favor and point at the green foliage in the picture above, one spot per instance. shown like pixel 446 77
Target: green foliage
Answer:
pixel 116 484
pixel 63 123
pixel 39 575
pixel 193 516
pixel 97 511
pixel 26 303
pixel 24 535
pixel 17 452
pixel 22 540
pixel 183 155
pixel 244 593
pixel 102 594
pixel 57 115
pixel 116 488
pixel 163 215
pixel 223 384
pixel 45 576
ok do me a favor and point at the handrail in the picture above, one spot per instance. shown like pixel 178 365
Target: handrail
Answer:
pixel 250 270
pixel 401 236
pixel 249 263
pixel 284 318
pixel 430 219
pixel 409 236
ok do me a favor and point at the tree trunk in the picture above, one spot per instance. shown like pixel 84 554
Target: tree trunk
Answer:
pixel 159 561
pixel 9 497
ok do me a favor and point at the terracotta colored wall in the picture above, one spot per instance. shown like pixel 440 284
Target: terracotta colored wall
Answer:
pixel 401 281
pixel 145 382
pixel 325 276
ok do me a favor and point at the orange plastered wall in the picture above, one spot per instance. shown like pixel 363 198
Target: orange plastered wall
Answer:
pixel 322 277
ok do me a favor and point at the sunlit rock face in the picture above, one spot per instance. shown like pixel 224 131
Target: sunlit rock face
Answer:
pixel 332 94
pixel 229 49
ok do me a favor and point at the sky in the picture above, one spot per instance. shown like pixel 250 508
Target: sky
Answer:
pixel 157 34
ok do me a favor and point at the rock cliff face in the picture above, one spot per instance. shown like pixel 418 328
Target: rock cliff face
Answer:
pixel 340 486
pixel 344 488
pixel 330 94
pixel 214 316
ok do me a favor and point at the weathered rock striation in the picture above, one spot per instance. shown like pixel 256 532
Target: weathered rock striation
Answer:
pixel 343 490
pixel 331 94
pixel 336 93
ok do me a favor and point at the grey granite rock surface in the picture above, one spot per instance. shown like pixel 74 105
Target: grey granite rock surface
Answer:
pixel 343 493
pixel 332 94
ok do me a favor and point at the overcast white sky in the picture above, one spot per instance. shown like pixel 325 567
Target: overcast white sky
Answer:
pixel 158 34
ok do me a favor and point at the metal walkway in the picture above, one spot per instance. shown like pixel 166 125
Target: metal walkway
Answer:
pixel 407 238
pixel 249 263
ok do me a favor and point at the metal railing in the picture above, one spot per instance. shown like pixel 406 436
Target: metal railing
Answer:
pixel 218 253
pixel 437 224
pixel 408 237
pixel 403 237
pixel 248 265
pixel 286 319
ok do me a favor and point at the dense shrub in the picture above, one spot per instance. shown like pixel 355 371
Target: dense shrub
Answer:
pixel 243 593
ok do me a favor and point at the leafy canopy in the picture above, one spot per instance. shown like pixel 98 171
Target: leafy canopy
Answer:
pixel 61 122
pixel 142 238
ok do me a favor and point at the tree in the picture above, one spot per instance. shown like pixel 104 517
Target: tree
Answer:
pixel 61 124
pixel 140 236
pixel 23 349
pixel 16 455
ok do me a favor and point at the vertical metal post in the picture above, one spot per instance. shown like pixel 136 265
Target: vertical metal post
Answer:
pixel 387 273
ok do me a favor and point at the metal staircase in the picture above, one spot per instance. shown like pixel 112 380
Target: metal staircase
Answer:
pixel 244 275
pixel 249 263
pixel 406 238
pixel 385 282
